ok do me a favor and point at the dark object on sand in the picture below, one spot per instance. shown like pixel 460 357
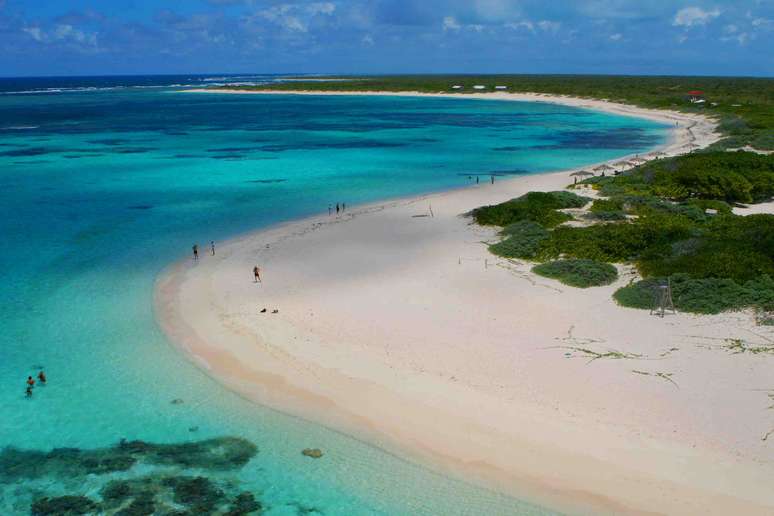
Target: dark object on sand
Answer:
pixel 314 453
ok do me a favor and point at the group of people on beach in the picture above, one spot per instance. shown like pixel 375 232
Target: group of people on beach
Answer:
pixel 31 382
pixel 491 178
pixel 340 207
pixel 195 250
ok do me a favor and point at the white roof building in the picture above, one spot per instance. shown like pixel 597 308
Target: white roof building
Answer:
pixel 479 87
pixel 501 87
pixel 456 87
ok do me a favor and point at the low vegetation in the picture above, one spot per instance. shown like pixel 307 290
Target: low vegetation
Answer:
pixel 672 219
pixel 578 273
pixel 539 207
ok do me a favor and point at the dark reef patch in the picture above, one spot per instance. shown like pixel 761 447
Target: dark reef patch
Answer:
pixel 160 490
pixel 228 156
pixel 219 454
pixel 621 138
pixel 267 181
pixel 363 144
pixel 110 141
pixel 63 506
pixel 141 207
pixel 134 150
pixel 28 151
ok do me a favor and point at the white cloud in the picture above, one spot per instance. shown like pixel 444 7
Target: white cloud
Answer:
pixel 730 29
pixel 525 24
pixel 450 23
pixel 34 32
pixel 616 37
pixel 692 16
pixel 297 17
pixel 367 40
pixel 549 26
pixel 62 32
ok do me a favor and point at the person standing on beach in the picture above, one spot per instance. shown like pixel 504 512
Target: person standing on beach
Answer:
pixel 195 252
pixel 337 208
pixel 257 274
pixel 212 247
pixel 330 209
pixel 343 206
pixel 492 179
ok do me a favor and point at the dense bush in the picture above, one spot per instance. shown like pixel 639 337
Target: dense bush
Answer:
pixel 605 205
pixel 707 296
pixel 625 241
pixel 538 207
pixel 723 176
pixel 522 240
pixel 578 273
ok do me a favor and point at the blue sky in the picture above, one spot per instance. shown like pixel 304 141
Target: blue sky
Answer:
pixel 82 37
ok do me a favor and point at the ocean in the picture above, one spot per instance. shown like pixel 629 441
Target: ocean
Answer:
pixel 105 181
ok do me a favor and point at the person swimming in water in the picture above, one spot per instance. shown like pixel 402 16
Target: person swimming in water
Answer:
pixel 42 377
pixel 30 382
pixel 28 392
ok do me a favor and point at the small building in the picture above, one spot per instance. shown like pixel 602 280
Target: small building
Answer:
pixel 696 96
pixel 457 87
pixel 479 87
pixel 501 87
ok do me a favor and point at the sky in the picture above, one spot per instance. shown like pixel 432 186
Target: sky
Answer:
pixel 94 37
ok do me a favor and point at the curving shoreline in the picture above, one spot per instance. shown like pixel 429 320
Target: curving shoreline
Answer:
pixel 379 311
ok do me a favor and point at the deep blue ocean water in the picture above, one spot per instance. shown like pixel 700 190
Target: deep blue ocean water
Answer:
pixel 106 181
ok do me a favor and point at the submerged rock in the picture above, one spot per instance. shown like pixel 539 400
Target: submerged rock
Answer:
pixel 63 506
pixel 314 453
pixel 244 503
pixel 224 453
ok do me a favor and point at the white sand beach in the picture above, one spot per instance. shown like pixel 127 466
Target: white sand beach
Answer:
pixel 400 328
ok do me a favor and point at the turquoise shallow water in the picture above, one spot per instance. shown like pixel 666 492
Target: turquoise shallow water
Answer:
pixel 100 190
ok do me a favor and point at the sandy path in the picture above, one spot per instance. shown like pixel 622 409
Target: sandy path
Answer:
pixel 401 328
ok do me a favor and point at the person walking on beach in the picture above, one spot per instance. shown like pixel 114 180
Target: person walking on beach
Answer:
pixel 492 179
pixel 337 208
pixel 212 247
pixel 257 274
pixel 330 209
pixel 42 377
pixel 195 252
pixel 343 206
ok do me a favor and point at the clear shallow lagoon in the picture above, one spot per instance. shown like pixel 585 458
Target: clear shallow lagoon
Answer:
pixel 100 189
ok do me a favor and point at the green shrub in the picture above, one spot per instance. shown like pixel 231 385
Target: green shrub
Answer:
pixel 606 205
pixel 538 207
pixel 606 216
pixel 706 295
pixel 722 207
pixel 724 176
pixel 522 240
pixel 625 241
pixel 578 273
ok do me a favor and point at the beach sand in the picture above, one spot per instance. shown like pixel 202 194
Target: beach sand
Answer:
pixel 397 326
